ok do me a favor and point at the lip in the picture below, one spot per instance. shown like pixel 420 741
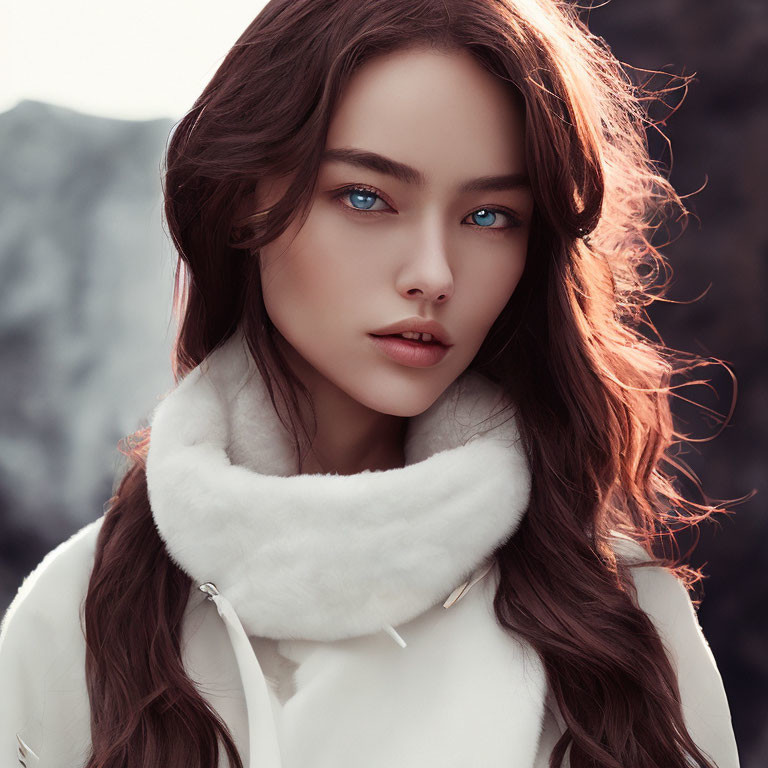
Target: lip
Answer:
pixel 415 354
pixel 417 325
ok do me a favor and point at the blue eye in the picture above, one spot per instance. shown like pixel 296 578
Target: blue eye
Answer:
pixel 487 215
pixel 484 218
pixel 363 199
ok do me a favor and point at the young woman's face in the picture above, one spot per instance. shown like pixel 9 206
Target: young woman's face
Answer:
pixel 378 248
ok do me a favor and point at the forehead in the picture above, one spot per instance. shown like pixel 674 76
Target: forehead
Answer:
pixel 438 112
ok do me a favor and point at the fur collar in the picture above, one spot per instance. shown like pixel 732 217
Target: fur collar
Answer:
pixel 325 557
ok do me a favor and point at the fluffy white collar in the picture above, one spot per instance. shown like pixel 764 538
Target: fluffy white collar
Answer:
pixel 325 557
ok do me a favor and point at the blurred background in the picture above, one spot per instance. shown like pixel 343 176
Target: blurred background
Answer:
pixel 89 96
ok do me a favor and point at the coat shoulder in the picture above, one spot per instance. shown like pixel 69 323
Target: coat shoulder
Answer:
pixel 665 600
pixel 44 708
pixel 47 594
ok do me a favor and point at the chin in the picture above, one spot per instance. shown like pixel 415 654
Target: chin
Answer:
pixel 409 398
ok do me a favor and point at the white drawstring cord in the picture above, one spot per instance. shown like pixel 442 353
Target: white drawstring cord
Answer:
pixel 390 630
pixel 263 741
pixel 262 732
pixel 462 589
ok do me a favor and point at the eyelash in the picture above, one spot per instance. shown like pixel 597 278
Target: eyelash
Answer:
pixel 364 188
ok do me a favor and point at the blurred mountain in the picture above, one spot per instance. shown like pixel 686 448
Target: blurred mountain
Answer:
pixel 85 285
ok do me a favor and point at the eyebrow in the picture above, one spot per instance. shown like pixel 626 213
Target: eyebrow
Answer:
pixel 405 173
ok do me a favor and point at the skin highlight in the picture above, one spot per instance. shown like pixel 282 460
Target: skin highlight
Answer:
pixel 416 249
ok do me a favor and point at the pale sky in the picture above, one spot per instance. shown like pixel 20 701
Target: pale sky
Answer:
pixel 136 59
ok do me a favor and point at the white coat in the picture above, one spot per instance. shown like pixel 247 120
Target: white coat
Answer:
pixel 385 577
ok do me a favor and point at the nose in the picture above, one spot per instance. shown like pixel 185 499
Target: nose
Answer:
pixel 427 273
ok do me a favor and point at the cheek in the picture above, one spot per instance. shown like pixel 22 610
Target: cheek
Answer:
pixel 290 290
pixel 319 269
pixel 493 285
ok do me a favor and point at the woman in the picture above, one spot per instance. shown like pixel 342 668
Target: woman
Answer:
pixel 342 546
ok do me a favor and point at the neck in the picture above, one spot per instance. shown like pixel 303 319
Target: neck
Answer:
pixel 344 446
pixel 350 437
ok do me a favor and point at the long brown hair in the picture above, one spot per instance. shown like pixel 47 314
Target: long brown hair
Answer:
pixel 594 392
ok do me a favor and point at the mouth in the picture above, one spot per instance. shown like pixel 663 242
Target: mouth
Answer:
pixel 410 352
pixel 416 342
